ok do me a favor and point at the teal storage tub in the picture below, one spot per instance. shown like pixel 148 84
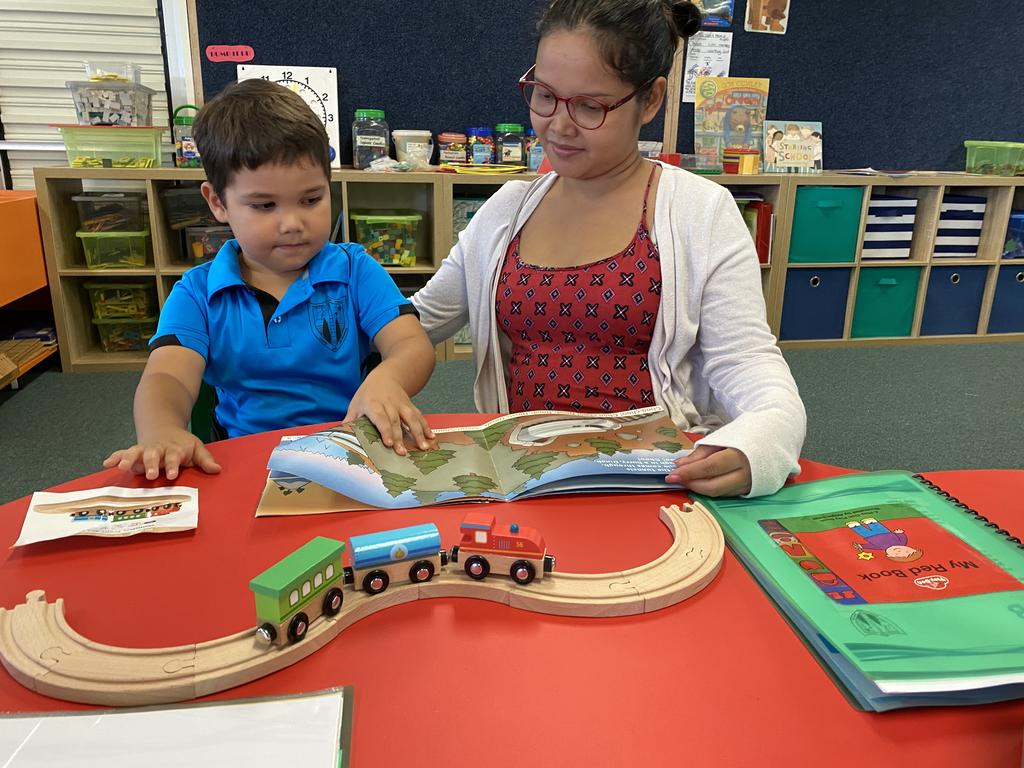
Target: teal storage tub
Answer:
pixel 884 306
pixel 826 223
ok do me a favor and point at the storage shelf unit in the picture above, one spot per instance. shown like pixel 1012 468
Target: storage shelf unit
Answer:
pixel 789 285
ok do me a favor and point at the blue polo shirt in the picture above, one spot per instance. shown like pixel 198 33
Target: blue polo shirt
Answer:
pixel 297 363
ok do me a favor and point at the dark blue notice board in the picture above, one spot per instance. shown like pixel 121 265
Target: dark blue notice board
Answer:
pixel 896 83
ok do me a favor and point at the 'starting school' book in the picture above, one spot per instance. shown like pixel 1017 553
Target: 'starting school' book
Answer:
pixel 728 112
pixel 906 596
pixel 511 457
pixel 792 146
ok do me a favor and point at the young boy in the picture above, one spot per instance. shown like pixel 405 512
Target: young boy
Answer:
pixel 281 320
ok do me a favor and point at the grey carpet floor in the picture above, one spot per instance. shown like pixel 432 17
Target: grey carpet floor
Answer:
pixel 929 407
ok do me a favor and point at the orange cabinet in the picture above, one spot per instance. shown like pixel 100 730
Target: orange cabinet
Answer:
pixel 22 269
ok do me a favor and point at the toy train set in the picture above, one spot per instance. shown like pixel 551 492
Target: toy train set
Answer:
pixel 309 582
pixel 115 509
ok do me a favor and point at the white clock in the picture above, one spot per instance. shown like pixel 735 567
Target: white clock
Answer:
pixel 318 87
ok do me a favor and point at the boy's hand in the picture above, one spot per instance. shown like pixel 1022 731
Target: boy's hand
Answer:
pixel 713 471
pixel 384 402
pixel 171 450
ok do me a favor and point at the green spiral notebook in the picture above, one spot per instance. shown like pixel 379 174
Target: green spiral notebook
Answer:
pixel 907 596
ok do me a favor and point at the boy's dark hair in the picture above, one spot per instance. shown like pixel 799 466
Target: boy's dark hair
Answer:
pixel 255 122
pixel 636 38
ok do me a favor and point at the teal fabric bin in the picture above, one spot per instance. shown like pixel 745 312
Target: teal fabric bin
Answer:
pixel 884 306
pixel 826 223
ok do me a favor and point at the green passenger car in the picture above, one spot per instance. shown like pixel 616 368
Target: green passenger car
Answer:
pixel 304 585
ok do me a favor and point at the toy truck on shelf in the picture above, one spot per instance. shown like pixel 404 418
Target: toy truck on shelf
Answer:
pixel 486 546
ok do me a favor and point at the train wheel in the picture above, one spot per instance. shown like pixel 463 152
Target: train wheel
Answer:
pixel 332 601
pixel 421 571
pixel 376 582
pixel 477 567
pixel 522 572
pixel 297 627
pixel 267 632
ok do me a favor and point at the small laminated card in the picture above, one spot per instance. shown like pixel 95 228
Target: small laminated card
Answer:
pixel 109 511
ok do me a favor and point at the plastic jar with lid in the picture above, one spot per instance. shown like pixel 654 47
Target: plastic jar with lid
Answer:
pixel 451 147
pixel 370 137
pixel 186 155
pixel 510 144
pixel 480 145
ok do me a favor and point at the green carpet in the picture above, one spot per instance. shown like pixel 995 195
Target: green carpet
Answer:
pixel 929 407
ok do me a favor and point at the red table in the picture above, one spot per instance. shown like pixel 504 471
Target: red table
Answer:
pixel 718 680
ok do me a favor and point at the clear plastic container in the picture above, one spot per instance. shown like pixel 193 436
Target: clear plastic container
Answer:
pixel 480 145
pixel 105 146
pixel 123 71
pixel 510 145
pixel 186 154
pixel 112 102
pixel 115 250
pixel 414 147
pixel 112 300
pixel 205 242
pixel 534 151
pixel 112 211
pixel 185 207
pixel 464 209
pixel 451 147
pixel 1001 158
pixel 388 236
pixel 370 137
pixel 123 335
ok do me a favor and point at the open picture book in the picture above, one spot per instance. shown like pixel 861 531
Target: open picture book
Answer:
pixel 511 457
pixel 906 596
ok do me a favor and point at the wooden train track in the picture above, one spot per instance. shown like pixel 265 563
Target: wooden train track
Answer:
pixel 43 653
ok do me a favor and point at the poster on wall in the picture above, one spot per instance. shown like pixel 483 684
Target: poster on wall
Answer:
pixel 771 16
pixel 707 55
pixel 717 13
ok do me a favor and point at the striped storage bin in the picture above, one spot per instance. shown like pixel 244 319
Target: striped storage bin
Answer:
pixel 960 220
pixel 890 227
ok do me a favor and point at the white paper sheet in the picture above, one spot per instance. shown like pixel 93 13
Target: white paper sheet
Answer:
pixel 109 511
pixel 295 731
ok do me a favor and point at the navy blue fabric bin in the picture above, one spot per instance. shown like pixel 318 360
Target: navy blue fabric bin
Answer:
pixel 1008 303
pixel 954 299
pixel 814 304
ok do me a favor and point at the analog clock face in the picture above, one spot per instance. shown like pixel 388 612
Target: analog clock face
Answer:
pixel 318 87
pixel 311 97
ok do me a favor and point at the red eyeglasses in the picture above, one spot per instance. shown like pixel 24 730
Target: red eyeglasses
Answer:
pixel 587 112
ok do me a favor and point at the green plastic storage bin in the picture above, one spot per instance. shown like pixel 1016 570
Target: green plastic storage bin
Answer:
pixel 826 222
pixel 885 302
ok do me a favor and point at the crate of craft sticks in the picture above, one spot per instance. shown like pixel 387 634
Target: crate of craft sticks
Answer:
pixel 960 221
pixel 388 236
pixel 112 300
pixel 112 211
pixel 890 227
pixel 125 335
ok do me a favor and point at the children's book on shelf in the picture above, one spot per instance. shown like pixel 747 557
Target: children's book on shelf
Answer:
pixel 792 146
pixel 760 220
pixel 728 112
pixel 907 596
pixel 311 729
pixel 511 457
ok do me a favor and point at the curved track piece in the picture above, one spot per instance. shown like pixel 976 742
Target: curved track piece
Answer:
pixel 44 654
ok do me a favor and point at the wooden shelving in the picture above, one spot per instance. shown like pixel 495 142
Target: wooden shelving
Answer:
pixel 432 195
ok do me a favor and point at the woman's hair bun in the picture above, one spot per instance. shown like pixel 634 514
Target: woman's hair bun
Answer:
pixel 686 17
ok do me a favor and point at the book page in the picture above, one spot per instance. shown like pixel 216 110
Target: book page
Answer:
pixel 498 460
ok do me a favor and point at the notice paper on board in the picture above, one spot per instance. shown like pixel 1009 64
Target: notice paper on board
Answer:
pixel 109 511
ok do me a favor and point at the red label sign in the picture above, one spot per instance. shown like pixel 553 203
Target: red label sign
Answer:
pixel 230 53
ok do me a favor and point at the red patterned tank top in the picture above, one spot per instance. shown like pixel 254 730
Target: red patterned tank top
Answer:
pixel 580 335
